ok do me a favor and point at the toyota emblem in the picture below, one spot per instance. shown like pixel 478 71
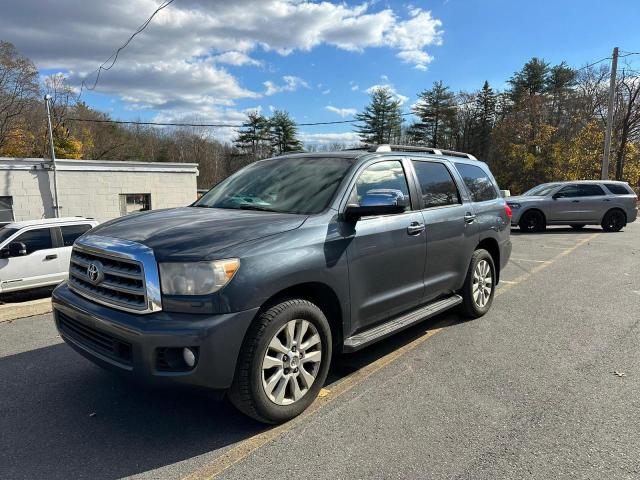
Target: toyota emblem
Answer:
pixel 95 273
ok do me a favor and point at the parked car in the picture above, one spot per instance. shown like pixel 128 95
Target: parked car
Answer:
pixel 607 203
pixel 253 287
pixel 36 253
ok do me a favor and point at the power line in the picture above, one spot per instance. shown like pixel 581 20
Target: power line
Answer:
pixel 114 56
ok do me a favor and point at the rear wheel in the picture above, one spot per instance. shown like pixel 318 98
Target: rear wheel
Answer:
pixel 532 221
pixel 613 221
pixel 283 362
pixel 479 285
pixel 577 227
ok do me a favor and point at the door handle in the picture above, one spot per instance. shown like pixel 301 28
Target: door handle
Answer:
pixel 415 228
pixel 575 201
pixel 469 217
pixel 51 257
pixel 606 200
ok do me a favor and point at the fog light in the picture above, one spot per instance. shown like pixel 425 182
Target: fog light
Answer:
pixel 189 357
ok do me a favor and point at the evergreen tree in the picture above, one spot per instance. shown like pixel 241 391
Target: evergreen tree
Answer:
pixel 485 118
pixel 283 133
pixel 530 81
pixel 253 136
pixel 560 85
pixel 382 118
pixel 436 109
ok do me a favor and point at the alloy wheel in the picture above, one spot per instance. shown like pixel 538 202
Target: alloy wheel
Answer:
pixel 482 283
pixel 291 362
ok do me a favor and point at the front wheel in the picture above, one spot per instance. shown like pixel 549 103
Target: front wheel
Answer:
pixel 479 285
pixel 532 221
pixel 283 363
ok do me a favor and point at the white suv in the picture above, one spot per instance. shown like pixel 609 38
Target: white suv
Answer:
pixel 36 253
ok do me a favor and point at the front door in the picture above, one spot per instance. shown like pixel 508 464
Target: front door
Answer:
pixel 39 267
pixel 565 205
pixel 387 253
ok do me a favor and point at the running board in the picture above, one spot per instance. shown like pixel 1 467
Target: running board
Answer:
pixel 362 339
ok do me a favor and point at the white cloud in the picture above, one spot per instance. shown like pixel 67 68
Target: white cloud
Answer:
pixel 236 58
pixel 343 112
pixel 291 84
pixel 177 60
pixel 354 86
pixel 401 98
pixel 326 92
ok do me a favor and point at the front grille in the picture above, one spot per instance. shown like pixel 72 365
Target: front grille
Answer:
pixel 122 284
pixel 93 339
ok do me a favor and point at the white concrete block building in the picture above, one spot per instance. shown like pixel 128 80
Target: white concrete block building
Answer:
pixel 89 188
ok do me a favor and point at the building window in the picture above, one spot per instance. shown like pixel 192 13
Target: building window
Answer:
pixel 6 209
pixel 134 202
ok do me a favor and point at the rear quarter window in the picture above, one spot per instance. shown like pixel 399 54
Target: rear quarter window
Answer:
pixel 478 183
pixel 618 188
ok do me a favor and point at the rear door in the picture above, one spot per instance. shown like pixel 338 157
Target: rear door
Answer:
pixel 593 202
pixel 39 267
pixel 448 235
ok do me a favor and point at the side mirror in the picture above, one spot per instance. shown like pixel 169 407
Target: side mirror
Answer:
pixel 353 213
pixel 557 195
pixel 17 249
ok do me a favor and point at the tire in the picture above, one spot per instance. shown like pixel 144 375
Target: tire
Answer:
pixel 613 221
pixel 578 227
pixel 264 385
pixel 476 300
pixel 532 221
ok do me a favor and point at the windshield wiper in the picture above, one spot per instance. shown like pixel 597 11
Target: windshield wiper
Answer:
pixel 260 208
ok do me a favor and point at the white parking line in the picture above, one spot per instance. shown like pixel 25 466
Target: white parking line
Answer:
pixel 529 260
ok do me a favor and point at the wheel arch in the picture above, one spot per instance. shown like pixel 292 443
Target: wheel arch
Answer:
pixel 491 245
pixel 319 294
pixel 611 210
pixel 533 209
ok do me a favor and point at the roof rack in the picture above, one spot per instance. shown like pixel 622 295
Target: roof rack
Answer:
pixel 413 148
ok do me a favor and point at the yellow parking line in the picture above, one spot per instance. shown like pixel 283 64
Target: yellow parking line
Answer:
pixel 529 260
pixel 246 447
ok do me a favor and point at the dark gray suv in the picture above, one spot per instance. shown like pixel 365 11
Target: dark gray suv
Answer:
pixel 251 289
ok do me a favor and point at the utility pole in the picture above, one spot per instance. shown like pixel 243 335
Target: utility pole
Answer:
pixel 612 95
pixel 56 208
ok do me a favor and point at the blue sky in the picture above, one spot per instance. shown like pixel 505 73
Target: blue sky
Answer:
pixel 211 61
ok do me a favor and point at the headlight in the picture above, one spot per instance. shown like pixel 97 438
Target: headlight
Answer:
pixel 197 278
pixel 513 205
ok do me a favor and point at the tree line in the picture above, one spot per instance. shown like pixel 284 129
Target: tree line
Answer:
pixel 548 124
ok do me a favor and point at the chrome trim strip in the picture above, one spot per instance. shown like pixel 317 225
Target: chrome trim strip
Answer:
pixel 118 248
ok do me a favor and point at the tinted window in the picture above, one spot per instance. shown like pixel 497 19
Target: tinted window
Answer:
pixel 6 209
pixel 478 182
pixel 71 232
pixel 381 183
pixel 541 190
pixel 438 187
pixel 588 190
pixel 6 233
pixel 289 185
pixel 617 188
pixel 568 191
pixel 35 240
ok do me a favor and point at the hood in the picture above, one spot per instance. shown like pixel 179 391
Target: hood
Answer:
pixel 522 199
pixel 193 233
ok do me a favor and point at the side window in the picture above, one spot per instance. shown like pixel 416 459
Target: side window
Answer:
pixel 38 239
pixel 437 184
pixel 6 209
pixel 71 232
pixel 568 192
pixel 589 190
pixel 478 182
pixel 383 183
pixel 617 188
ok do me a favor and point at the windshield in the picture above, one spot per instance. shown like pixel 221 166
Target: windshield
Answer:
pixel 6 233
pixel 540 190
pixel 300 185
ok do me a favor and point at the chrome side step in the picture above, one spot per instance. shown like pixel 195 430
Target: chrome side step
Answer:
pixel 367 337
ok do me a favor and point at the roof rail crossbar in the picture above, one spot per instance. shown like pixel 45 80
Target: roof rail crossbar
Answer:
pixel 416 148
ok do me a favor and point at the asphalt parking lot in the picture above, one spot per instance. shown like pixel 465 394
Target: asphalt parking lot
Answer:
pixel 547 385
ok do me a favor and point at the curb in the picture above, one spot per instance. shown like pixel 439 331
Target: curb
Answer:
pixel 24 309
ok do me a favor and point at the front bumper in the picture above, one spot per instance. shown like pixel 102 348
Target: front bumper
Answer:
pixel 131 343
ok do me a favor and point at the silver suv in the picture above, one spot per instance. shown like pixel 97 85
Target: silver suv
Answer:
pixel 607 203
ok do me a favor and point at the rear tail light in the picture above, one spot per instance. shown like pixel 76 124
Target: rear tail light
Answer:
pixel 507 210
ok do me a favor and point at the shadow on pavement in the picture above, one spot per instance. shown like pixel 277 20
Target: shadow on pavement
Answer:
pixel 25 295
pixel 556 230
pixel 64 417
